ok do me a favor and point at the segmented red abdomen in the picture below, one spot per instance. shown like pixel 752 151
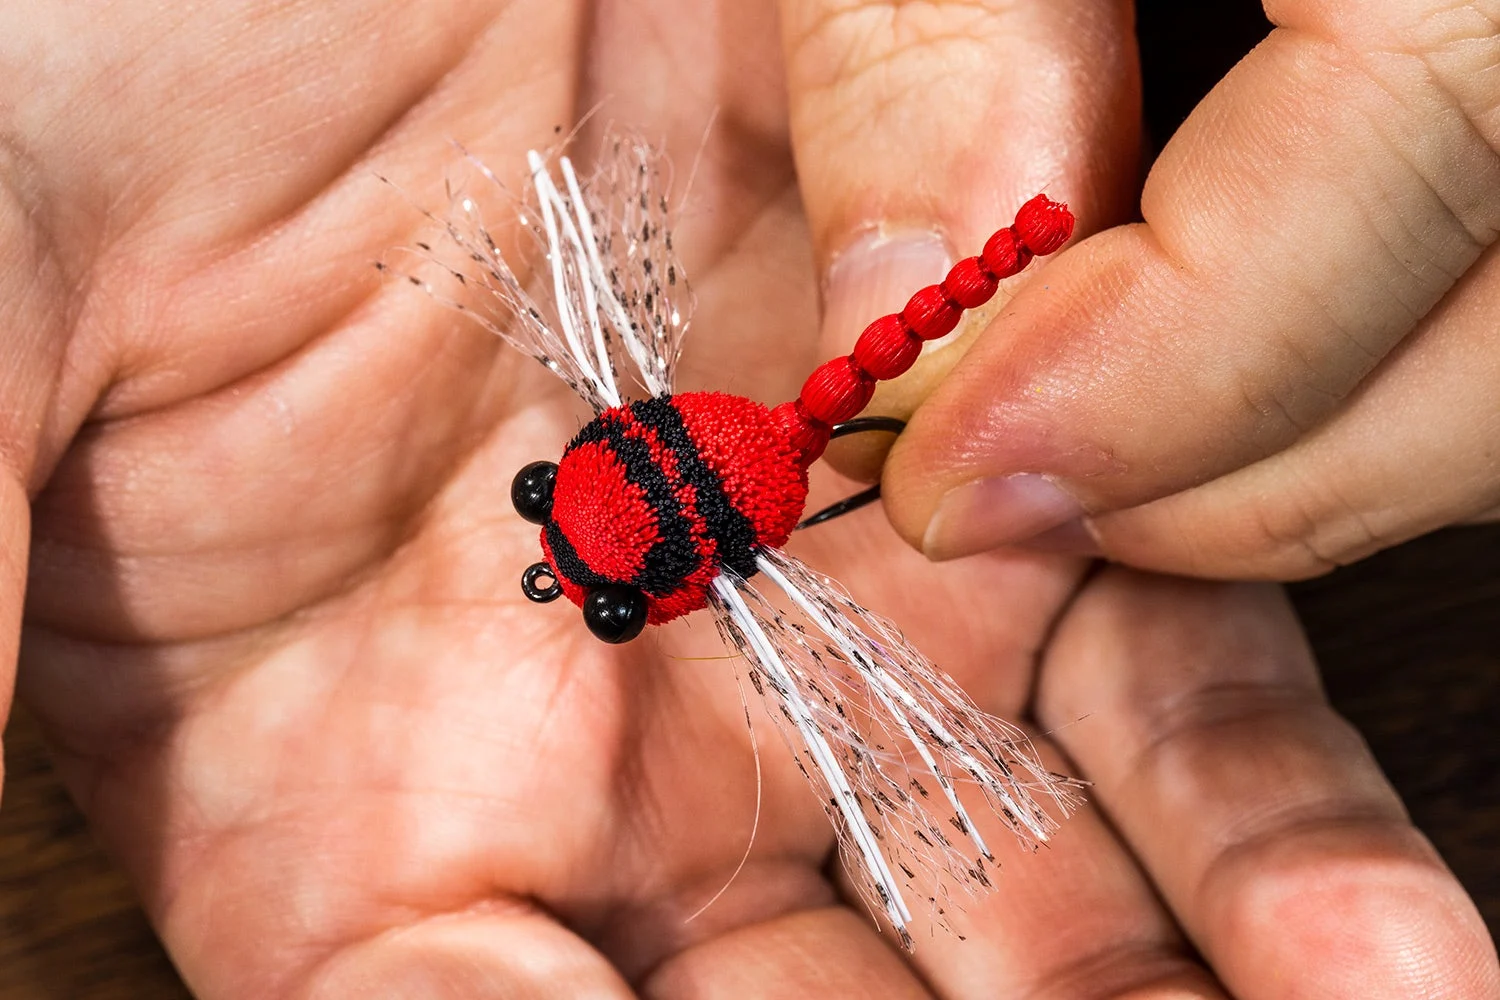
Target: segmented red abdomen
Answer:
pixel 663 493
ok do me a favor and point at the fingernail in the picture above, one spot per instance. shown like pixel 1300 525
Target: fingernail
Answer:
pixel 1071 538
pixel 874 277
pixel 992 512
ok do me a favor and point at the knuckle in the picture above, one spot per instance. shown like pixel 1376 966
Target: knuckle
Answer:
pixel 1267 877
pixel 1420 73
pixel 1154 963
pixel 1304 372
pixel 1282 410
pixel 1197 717
pixel 1398 135
pixel 1311 529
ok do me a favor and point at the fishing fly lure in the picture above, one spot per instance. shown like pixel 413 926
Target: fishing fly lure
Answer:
pixel 675 502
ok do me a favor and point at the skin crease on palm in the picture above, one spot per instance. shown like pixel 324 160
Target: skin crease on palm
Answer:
pixel 273 622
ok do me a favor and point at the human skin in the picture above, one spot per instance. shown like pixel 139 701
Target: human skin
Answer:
pixel 1291 363
pixel 273 626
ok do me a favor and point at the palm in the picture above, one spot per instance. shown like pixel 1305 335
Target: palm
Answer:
pixel 391 701
pixel 276 628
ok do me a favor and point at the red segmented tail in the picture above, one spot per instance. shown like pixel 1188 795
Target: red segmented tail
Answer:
pixel 837 390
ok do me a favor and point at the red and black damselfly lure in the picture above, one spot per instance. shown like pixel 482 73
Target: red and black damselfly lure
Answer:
pixel 674 502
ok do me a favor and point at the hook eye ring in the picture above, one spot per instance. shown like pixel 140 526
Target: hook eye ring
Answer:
pixel 541 595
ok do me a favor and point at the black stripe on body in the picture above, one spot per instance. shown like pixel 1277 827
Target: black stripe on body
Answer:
pixel 568 561
pixel 730 528
pixel 674 556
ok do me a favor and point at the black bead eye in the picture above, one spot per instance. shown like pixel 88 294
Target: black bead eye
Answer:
pixel 531 491
pixel 614 613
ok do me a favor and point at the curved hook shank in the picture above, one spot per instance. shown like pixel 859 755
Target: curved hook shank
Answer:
pixel 865 497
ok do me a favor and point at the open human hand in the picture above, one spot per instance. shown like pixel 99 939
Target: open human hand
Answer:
pixel 274 627
pixel 1292 363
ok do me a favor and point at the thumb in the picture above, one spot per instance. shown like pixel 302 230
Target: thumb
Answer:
pixel 45 386
pixel 919 129
pixel 1257 382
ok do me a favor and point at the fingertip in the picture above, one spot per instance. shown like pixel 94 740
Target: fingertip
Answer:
pixel 1342 908
pixel 828 952
pixel 1071 538
pixel 988 513
pixel 503 951
pixel 874 276
pixel 990 457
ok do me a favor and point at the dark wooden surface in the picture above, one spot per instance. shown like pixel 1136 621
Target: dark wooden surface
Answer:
pixel 1410 647
pixel 1409 640
pixel 69 926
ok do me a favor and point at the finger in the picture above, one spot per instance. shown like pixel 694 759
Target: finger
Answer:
pixel 1077 918
pixel 42 405
pixel 1259 813
pixel 1317 204
pixel 824 953
pixel 1413 451
pixel 509 953
pixel 920 129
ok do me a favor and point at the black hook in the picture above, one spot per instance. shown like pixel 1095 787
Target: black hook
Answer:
pixel 541 595
pixel 865 497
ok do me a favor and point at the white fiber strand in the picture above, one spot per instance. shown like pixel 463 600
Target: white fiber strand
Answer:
pixel 615 290
pixel 627 198
pixel 571 280
pixel 894 726
pixel 487 290
pixel 994 754
pixel 813 741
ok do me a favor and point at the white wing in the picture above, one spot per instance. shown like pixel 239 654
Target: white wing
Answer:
pixel 874 726
pixel 612 287
pixel 632 219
